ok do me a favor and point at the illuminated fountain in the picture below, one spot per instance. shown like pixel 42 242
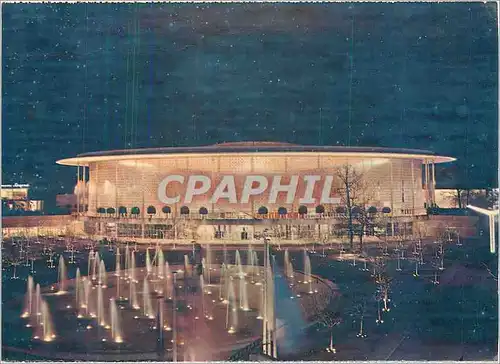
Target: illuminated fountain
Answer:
pixel 251 264
pixel 243 296
pixel 102 277
pixel 127 261
pixel 86 309
pixel 204 307
pixel 38 304
pixel 78 283
pixel 208 264
pixel 286 263
pixel 233 286
pixel 62 276
pixel 90 262
pixel 134 301
pixel 288 268
pixel 81 305
pixel 168 282
pixel 131 271
pixel 231 311
pixel 116 331
pixel 261 304
pixel 118 263
pixel 223 283
pixel 149 266
pixel 307 271
pixel 237 262
pixel 146 300
pixel 45 330
pixel 160 263
pixel 187 266
pixel 95 266
pixel 101 320
pixel 28 300
pixel 256 262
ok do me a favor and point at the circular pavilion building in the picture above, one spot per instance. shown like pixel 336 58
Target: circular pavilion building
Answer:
pixel 236 191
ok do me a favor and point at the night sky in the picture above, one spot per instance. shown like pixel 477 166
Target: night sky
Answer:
pixel 88 77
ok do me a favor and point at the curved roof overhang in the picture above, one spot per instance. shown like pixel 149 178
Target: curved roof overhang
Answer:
pixel 252 149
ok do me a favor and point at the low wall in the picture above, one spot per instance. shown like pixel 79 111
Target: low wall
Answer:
pixel 466 226
pixel 43 225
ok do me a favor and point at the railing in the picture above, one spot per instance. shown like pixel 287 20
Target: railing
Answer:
pixel 244 353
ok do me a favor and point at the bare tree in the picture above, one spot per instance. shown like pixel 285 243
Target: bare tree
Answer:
pixel 461 197
pixel 355 196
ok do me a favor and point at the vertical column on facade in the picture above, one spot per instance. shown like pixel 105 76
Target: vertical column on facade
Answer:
pixel 78 189
pixel 116 187
pixel 413 187
pixel 433 191
pixel 142 196
pixel 213 181
pixel 426 183
pixel 252 202
pixel 392 196
pixel 96 185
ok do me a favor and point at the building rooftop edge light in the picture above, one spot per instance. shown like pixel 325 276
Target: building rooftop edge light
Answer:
pixel 250 148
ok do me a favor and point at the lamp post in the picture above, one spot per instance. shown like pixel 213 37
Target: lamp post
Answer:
pixel 491 220
pixel 174 323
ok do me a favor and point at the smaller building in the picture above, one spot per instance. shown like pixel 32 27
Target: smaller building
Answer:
pixel 15 198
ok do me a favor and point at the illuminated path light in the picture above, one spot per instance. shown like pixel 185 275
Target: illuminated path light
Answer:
pixel 491 219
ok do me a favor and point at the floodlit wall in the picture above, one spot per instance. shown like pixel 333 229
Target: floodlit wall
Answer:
pixel 389 182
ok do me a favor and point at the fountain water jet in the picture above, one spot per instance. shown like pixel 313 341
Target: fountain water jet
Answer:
pixel 187 266
pixel 118 263
pixel 307 271
pixel 232 312
pixel 102 277
pixel 38 303
pixel 160 263
pixel 127 261
pixel 90 262
pixel 95 266
pixel 149 267
pixel 116 331
pixel 261 304
pixel 28 301
pixel 243 295
pixel 62 276
pixel 256 262
pixel 100 307
pixel 78 283
pixel 46 328
pixel 86 304
pixel 134 301
pixel 132 267
pixel 146 301
pixel 237 262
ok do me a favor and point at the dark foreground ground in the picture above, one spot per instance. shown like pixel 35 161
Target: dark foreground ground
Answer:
pixel 453 320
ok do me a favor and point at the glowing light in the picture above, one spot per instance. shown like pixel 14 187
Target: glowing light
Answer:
pixel 231 330
pixel 118 340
